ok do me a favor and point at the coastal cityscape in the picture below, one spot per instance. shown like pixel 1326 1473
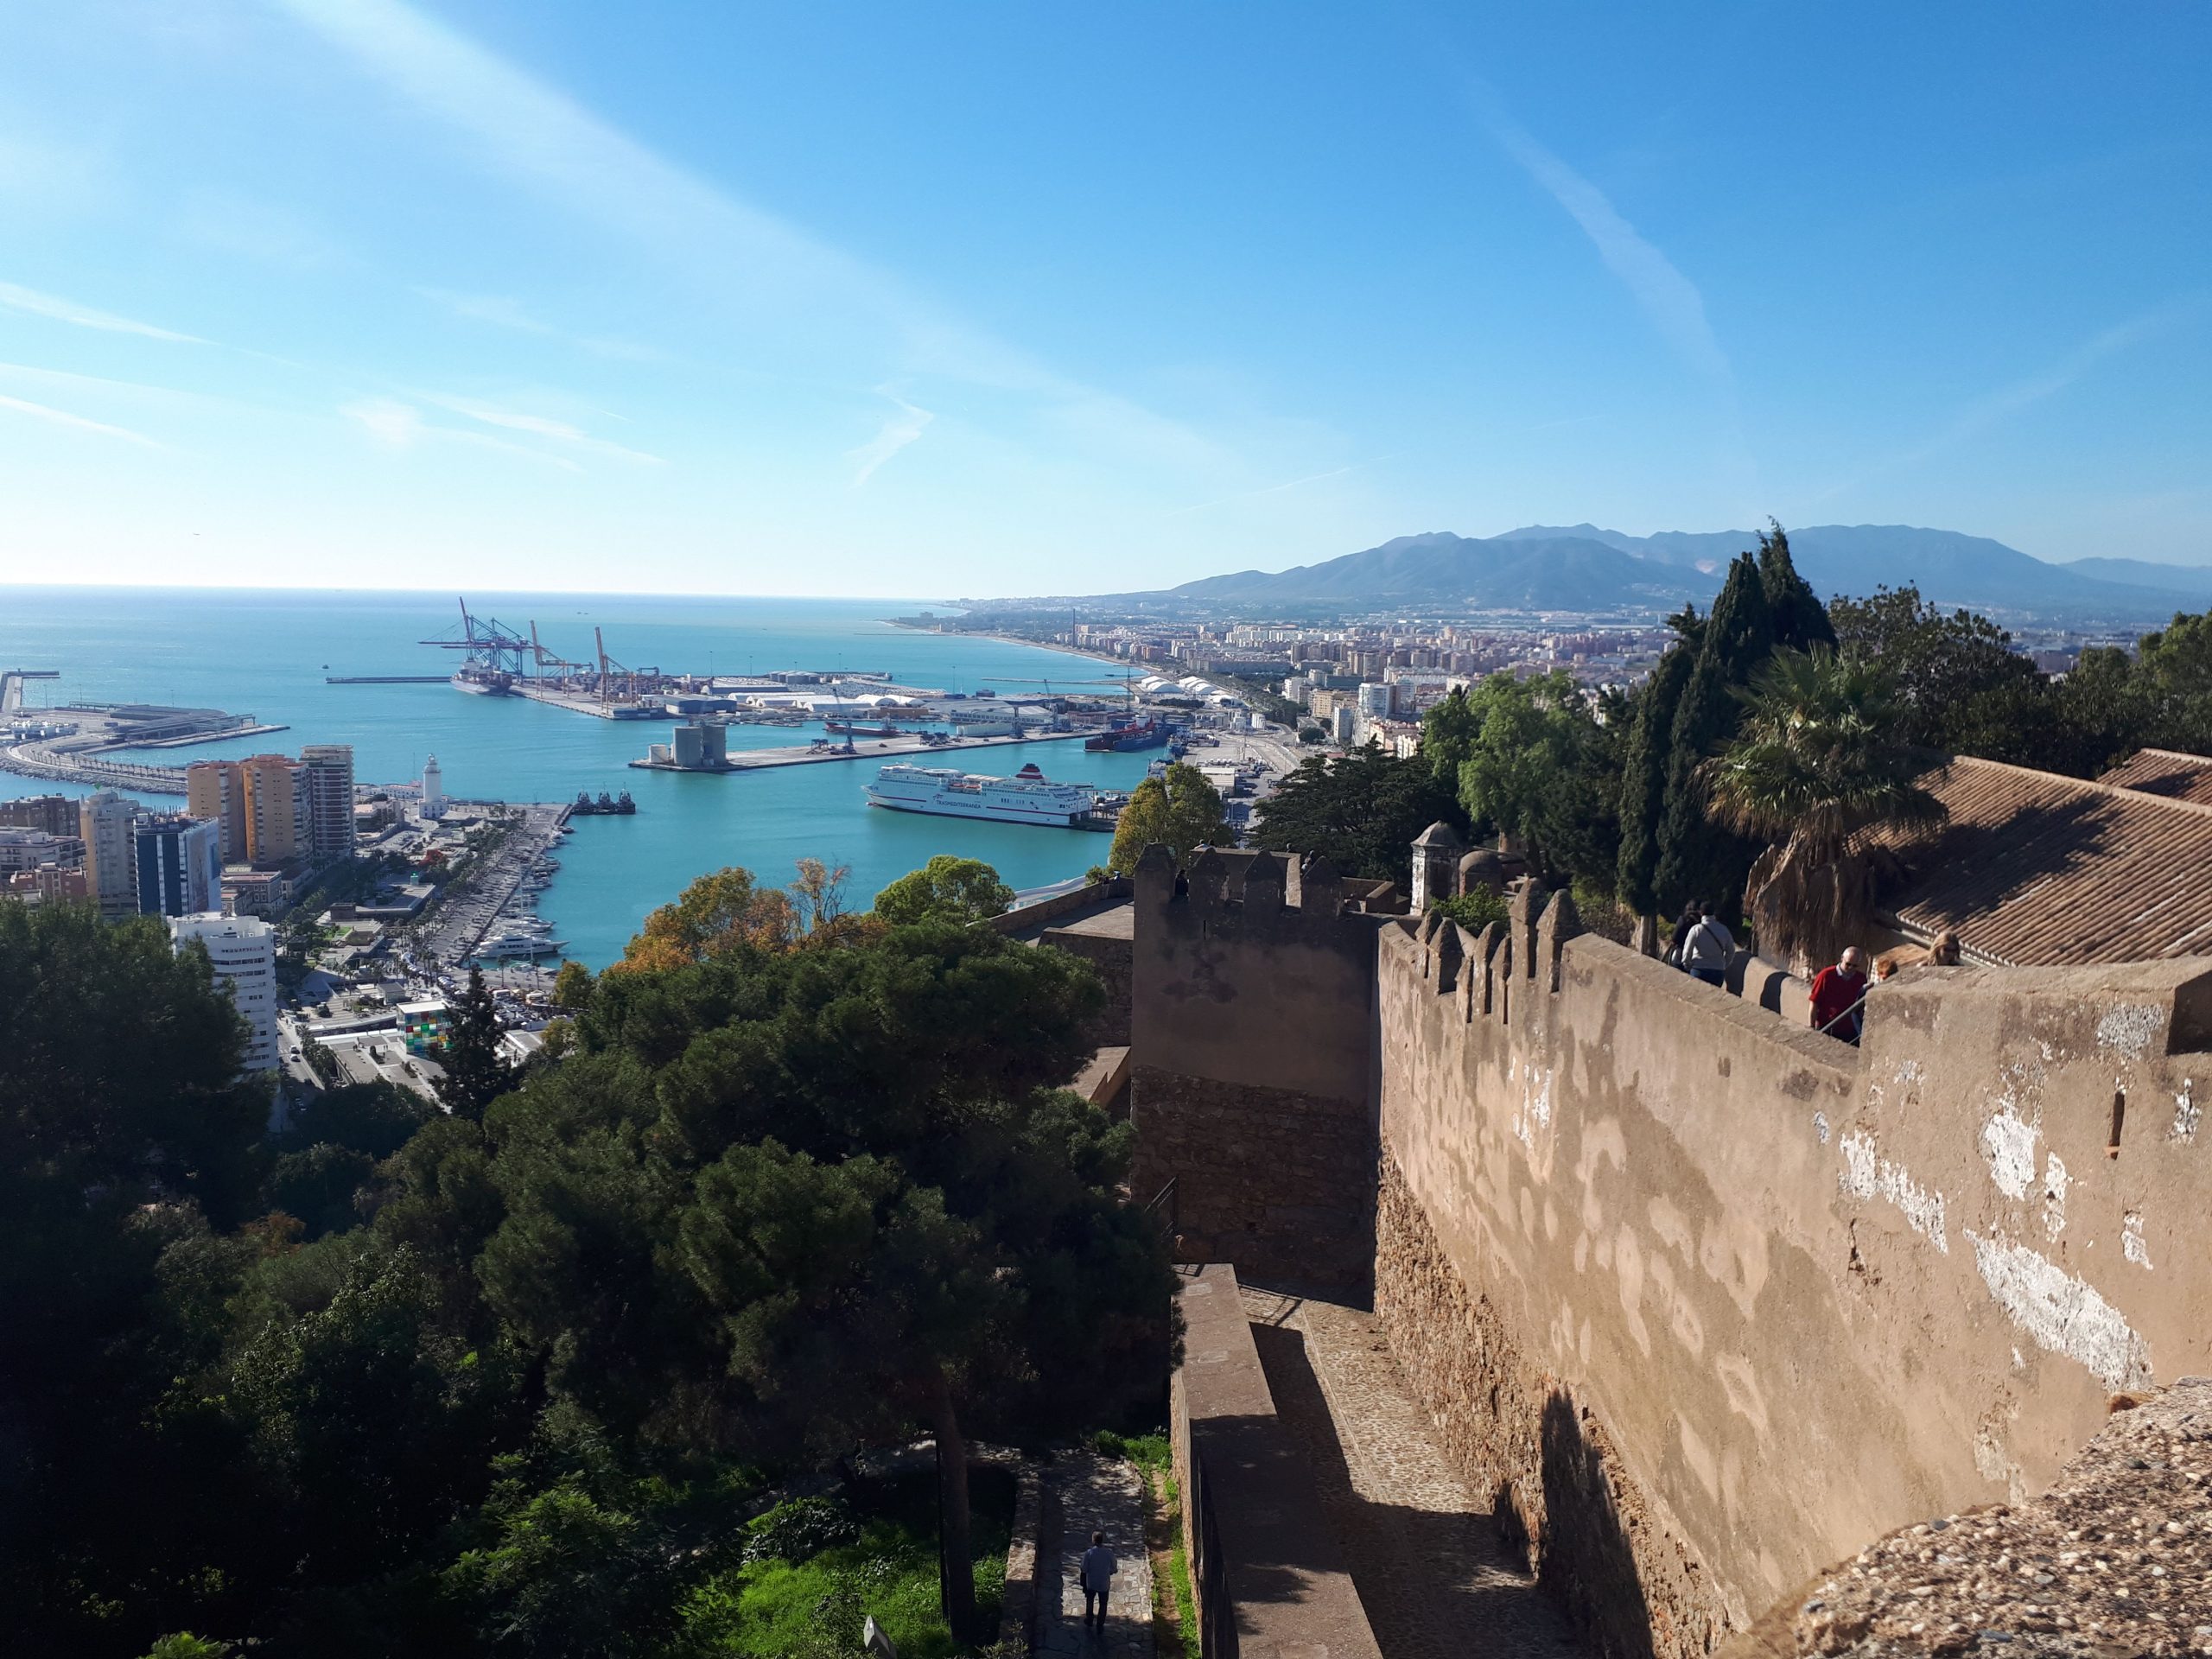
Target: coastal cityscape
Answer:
pixel 1008 832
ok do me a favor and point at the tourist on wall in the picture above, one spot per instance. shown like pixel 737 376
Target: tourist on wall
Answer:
pixel 1689 920
pixel 1708 948
pixel 1837 995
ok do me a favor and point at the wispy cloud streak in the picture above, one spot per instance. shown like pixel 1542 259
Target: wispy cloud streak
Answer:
pixel 1985 412
pixel 538 426
pixel 1670 299
pixel 898 432
pixel 580 163
pixel 76 423
pixel 36 304
pixel 1992 408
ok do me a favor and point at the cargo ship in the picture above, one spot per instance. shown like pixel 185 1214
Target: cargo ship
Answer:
pixel 485 682
pixel 1148 734
pixel 1027 797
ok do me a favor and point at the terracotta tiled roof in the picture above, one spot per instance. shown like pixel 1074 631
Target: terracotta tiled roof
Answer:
pixel 2165 772
pixel 2034 870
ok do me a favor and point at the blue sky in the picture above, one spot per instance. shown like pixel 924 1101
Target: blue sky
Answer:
pixel 1010 298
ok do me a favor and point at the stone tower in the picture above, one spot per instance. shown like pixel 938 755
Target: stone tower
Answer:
pixel 1436 861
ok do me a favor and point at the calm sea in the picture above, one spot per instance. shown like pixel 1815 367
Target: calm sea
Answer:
pixel 267 654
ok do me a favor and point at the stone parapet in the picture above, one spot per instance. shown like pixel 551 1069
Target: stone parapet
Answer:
pixel 1270 1579
pixel 1714 1300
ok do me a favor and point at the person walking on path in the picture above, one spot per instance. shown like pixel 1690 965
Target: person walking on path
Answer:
pixel 1837 993
pixel 1097 1578
pixel 1706 951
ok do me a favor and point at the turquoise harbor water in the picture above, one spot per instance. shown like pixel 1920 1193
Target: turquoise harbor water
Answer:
pixel 266 654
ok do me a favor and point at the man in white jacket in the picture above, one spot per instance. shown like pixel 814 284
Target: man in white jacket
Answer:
pixel 1098 1575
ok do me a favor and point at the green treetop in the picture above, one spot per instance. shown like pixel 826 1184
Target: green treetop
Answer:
pixel 946 889
pixel 1181 812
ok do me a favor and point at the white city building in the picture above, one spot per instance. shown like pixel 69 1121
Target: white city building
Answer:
pixel 244 950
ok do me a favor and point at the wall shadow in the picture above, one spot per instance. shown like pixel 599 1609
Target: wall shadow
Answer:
pixel 1430 1581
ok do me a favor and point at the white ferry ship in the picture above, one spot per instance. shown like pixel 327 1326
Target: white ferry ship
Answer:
pixel 1026 798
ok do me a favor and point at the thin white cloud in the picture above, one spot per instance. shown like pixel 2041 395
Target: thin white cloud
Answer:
pixel 1983 413
pixel 76 423
pixel 494 309
pixel 85 317
pixel 538 426
pixel 1670 299
pixel 387 420
pixel 1273 489
pixel 899 431
pixel 581 164
pixel 2005 402
pixel 502 312
pixel 398 424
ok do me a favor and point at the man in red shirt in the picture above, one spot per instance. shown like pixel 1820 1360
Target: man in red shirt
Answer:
pixel 1836 994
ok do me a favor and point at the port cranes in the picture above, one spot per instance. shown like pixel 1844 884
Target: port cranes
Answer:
pixel 490 644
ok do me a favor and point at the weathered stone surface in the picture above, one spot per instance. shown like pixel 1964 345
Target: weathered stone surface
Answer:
pixel 1559 1495
pixel 1277 1182
pixel 2115 1558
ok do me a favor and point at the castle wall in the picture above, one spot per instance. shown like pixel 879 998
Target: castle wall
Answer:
pixel 1709 1301
pixel 1252 1083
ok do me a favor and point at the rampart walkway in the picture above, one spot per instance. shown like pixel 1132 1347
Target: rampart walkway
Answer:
pixel 1424 1552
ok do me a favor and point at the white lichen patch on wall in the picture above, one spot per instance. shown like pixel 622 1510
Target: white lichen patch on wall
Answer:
pixel 2130 1239
pixel 2130 1029
pixel 2186 1113
pixel 2054 1183
pixel 1536 1111
pixel 2060 1312
pixel 2009 1144
pixel 1867 1175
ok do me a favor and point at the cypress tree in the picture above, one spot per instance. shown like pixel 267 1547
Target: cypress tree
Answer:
pixel 1800 622
pixel 1644 767
pixel 1698 859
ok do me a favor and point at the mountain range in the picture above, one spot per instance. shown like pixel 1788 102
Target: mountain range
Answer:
pixel 1583 568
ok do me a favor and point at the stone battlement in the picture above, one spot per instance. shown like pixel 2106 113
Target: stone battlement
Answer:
pixel 1706 1299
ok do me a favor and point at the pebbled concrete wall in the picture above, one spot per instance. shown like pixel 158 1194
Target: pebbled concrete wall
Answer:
pixel 1710 1301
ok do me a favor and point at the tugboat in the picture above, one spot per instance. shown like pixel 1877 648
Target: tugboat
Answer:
pixel 606 806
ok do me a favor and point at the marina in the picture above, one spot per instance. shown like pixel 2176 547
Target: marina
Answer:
pixel 615 868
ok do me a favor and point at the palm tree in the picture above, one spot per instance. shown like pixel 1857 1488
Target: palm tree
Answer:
pixel 1815 762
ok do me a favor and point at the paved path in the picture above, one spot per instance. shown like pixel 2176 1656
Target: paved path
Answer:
pixel 1099 1494
pixel 1424 1551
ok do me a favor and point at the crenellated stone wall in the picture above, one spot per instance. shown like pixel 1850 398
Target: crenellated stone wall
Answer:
pixel 1252 1081
pixel 1709 1301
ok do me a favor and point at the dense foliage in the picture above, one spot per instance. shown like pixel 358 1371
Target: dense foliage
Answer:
pixel 946 889
pixel 405 1381
pixel 1359 811
pixel 1539 762
pixel 1181 812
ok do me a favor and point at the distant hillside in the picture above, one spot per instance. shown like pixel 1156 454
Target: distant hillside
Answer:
pixel 2194 580
pixel 1556 573
pixel 1584 567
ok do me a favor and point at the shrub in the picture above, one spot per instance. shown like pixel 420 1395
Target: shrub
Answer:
pixel 800 1529
pixel 1474 911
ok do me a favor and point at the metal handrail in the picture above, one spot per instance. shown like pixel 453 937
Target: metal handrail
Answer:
pixel 1168 1198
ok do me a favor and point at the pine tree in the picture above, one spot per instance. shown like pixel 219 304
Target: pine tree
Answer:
pixel 476 1073
pixel 1698 859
